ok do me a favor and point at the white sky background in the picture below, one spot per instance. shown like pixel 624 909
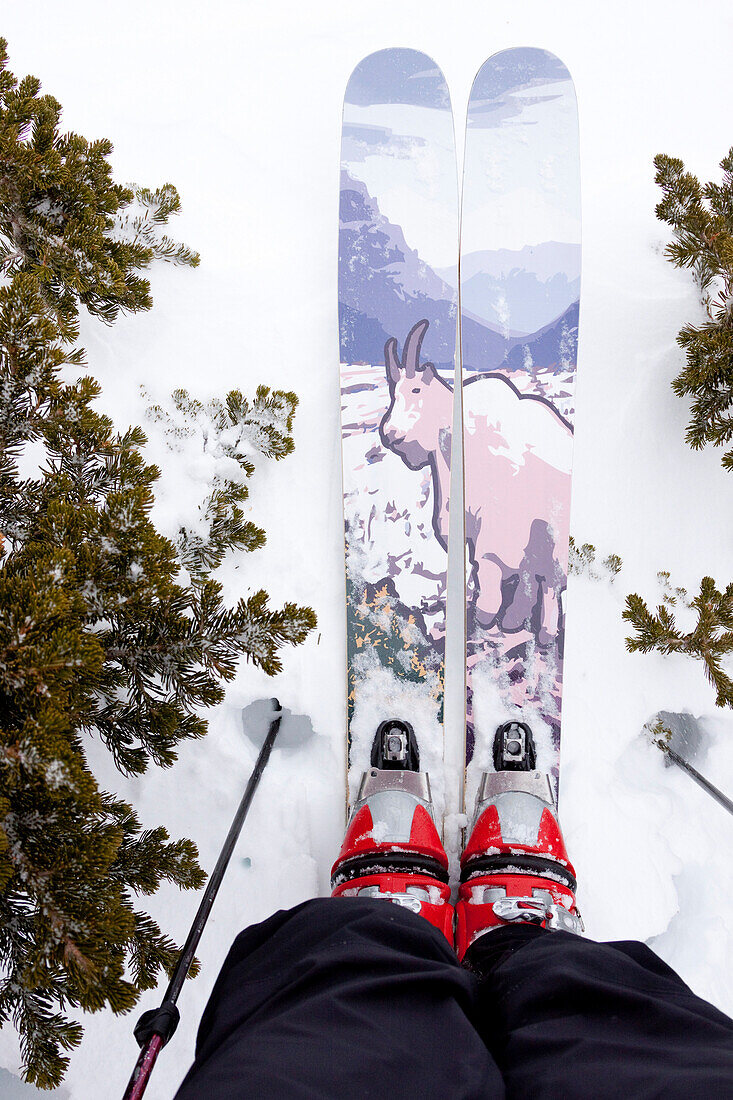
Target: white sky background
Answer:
pixel 521 175
pixel 417 187
pixel 239 104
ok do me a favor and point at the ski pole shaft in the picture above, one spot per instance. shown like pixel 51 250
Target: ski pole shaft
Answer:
pixel 155 1028
pixel 143 1068
pixel 706 785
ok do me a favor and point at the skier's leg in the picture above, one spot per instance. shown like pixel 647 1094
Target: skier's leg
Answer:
pixel 566 1018
pixel 562 1016
pixel 360 994
pixel 340 998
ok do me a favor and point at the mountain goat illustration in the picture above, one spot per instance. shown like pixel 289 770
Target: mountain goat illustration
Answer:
pixel 517 455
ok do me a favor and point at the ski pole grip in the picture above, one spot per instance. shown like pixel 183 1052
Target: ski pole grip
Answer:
pixel 161 1021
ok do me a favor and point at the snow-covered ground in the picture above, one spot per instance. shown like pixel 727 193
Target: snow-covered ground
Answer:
pixel 239 105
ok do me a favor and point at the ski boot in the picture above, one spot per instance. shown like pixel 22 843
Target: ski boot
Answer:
pixel 514 868
pixel 392 849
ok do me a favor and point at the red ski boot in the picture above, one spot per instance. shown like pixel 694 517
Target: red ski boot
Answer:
pixel 392 849
pixel 514 868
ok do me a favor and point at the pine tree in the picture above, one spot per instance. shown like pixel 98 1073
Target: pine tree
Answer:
pixel 235 430
pixel 582 559
pixel 701 217
pixel 711 640
pixel 100 634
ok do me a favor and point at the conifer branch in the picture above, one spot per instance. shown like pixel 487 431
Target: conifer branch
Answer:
pixel 99 635
pixel 701 217
pixel 711 640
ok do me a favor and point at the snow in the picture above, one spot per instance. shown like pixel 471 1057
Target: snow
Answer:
pixel 240 106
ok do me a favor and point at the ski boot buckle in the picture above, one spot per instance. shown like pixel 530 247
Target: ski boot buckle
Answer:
pixel 537 910
pixel 407 900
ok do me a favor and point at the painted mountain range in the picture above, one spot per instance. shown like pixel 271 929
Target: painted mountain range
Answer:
pixel 402 289
pixel 519 291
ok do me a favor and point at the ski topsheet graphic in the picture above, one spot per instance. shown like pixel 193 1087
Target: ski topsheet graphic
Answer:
pixel 397 322
pixel 520 283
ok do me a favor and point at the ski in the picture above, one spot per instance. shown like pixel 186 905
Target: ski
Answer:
pixel 397 328
pixel 519 285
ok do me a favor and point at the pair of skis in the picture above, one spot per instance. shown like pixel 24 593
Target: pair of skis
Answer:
pixel 500 326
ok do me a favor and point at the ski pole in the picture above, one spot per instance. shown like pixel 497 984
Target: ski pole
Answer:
pixel 706 785
pixel 156 1026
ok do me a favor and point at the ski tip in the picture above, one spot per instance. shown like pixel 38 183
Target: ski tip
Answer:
pixel 397 75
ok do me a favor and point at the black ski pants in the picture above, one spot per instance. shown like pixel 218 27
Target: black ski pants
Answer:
pixel 343 997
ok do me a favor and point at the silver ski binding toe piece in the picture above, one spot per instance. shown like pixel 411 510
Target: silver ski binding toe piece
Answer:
pixel 514 749
pixel 395 747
